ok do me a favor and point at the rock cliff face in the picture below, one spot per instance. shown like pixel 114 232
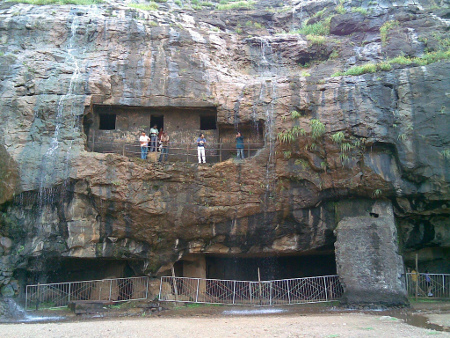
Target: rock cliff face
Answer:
pixel 379 135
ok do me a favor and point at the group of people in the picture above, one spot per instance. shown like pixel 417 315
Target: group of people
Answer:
pixel 162 138
pixel 158 141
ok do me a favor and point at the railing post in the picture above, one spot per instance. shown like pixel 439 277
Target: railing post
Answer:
pixel 38 296
pixel 326 288
pixel 146 289
pixel 123 149
pixel 68 293
pixel 289 291
pixel 187 153
pixel 220 152
pixel 26 298
pixel 198 286
pixel 234 292
pixel 110 289
pixel 160 288
pixel 270 293
pixel 250 291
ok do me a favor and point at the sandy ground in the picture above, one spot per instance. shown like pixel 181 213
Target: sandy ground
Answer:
pixel 225 323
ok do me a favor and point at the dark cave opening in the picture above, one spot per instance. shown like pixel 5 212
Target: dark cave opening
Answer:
pixel 69 269
pixel 271 267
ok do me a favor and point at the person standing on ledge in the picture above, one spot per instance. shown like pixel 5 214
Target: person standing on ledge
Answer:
pixel 143 140
pixel 164 147
pixel 201 142
pixel 153 138
pixel 239 146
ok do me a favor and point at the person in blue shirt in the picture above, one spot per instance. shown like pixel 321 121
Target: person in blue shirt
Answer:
pixel 239 146
pixel 201 142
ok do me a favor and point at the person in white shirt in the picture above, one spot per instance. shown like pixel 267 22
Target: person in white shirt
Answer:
pixel 143 140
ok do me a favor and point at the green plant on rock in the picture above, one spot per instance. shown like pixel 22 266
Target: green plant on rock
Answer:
pixel 295 114
pixel 317 129
pixel 316 39
pixel 287 154
pixel 58 2
pixel 377 193
pixel 338 137
pixel 360 10
pixel 318 28
pixel 151 6
pixel 446 154
pixel 224 5
pixel 384 30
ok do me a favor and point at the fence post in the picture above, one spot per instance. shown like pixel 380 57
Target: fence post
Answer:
pixel 250 291
pixel 110 289
pixel 68 294
pixel 198 286
pixel 248 150
pixel 146 289
pixel 220 152
pixel 160 288
pixel 234 292
pixel 123 149
pixel 26 298
pixel 187 153
pixel 270 294
pixel 38 296
pixel 326 288
pixel 289 292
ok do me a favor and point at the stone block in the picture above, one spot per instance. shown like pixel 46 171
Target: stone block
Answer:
pixel 367 260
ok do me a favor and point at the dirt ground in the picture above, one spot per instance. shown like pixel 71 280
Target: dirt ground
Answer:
pixel 317 320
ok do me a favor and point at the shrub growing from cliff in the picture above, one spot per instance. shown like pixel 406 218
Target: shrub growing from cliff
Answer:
pixel 151 6
pixel 226 5
pixel 58 2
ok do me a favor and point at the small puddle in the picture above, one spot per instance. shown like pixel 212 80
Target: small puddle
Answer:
pixel 420 321
pixel 253 312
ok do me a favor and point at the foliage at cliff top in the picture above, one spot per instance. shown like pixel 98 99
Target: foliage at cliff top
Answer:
pixel 423 60
pixel 58 2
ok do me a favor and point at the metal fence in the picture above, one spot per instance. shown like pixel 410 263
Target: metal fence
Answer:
pixel 438 285
pixel 177 152
pixel 61 294
pixel 231 292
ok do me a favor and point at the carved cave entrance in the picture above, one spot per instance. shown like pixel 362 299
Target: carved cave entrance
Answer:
pixel 271 267
pixel 68 269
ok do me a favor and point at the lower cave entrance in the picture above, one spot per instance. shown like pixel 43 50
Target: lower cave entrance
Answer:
pixel 68 269
pixel 246 268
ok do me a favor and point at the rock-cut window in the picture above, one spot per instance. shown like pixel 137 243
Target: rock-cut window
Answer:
pixel 107 121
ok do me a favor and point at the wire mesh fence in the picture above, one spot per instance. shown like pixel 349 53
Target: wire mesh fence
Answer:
pixel 61 294
pixel 275 292
pixel 428 285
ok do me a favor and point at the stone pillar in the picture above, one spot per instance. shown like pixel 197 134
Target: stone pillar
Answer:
pixel 195 266
pixel 367 259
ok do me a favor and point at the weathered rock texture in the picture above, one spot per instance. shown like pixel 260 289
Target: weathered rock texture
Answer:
pixel 376 274
pixel 57 199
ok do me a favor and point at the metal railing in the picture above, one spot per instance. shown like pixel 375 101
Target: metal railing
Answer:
pixel 232 292
pixel 438 285
pixel 179 152
pixel 61 294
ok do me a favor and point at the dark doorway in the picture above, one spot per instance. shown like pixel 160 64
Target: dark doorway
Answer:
pixel 271 268
pixel 157 120
pixel 208 122
pixel 107 121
